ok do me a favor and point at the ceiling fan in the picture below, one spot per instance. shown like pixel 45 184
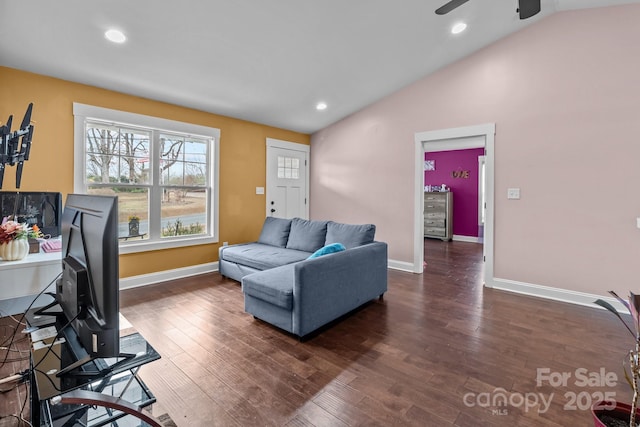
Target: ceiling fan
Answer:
pixel 526 8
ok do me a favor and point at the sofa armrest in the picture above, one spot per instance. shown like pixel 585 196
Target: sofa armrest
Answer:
pixel 330 286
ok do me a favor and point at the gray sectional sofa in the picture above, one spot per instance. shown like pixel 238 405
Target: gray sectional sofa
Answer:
pixel 282 285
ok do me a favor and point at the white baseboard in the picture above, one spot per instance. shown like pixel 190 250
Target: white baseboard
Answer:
pixel 401 265
pixel 162 276
pixel 460 238
pixel 539 291
pixel 556 294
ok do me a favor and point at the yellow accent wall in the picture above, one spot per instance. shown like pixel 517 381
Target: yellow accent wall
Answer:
pixel 50 166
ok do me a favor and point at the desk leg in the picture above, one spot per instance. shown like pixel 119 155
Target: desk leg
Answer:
pixel 85 397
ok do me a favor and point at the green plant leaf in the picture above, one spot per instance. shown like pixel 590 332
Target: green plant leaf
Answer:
pixel 622 300
pixel 634 303
pixel 604 304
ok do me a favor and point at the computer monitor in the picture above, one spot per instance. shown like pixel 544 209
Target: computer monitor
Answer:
pixel 88 291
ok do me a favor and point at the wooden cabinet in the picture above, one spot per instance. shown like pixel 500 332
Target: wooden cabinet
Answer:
pixel 438 215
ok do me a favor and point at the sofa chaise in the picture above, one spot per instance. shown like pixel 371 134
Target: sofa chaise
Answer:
pixel 292 278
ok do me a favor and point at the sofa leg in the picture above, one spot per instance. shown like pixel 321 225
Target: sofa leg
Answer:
pixel 381 297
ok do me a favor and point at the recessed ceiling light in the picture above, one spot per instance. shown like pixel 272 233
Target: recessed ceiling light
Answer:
pixel 458 28
pixel 115 36
pixel 321 106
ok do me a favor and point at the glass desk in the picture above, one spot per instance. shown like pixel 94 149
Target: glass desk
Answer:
pixel 100 392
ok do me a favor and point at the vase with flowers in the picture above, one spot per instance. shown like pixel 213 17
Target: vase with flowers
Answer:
pixel 14 244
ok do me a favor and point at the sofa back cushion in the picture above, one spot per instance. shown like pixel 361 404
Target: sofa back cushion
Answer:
pixel 307 236
pixel 275 231
pixel 350 235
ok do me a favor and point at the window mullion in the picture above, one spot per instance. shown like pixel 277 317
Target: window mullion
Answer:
pixel 155 196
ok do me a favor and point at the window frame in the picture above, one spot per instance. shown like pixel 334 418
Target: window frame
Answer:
pixel 83 112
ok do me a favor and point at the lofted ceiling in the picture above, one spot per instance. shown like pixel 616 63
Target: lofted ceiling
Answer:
pixel 269 62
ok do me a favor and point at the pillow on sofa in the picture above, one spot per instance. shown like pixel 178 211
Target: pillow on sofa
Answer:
pixel 275 231
pixel 307 236
pixel 350 235
pixel 329 249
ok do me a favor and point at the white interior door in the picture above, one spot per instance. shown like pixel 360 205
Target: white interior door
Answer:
pixel 287 179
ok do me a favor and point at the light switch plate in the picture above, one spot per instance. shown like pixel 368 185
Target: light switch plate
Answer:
pixel 638 222
pixel 513 193
pixel 259 190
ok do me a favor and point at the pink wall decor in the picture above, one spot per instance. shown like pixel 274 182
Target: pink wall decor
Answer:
pixel 450 170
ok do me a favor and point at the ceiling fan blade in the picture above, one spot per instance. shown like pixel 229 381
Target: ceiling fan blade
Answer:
pixel 448 7
pixel 528 8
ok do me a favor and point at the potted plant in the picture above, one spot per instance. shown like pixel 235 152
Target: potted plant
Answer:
pixel 613 414
pixel 134 225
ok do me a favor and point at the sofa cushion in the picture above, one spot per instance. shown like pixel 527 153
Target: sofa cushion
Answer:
pixel 350 235
pixel 261 256
pixel 275 231
pixel 329 249
pixel 274 286
pixel 305 235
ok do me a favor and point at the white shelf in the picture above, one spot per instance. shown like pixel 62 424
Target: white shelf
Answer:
pixel 32 260
pixel 29 275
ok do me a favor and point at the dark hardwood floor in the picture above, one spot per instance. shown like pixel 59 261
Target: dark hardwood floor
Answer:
pixel 431 353
pixel 437 351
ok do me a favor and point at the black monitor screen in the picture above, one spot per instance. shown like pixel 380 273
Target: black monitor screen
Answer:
pixel 88 290
pixel 34 208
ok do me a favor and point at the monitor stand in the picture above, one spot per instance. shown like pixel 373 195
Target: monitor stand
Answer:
pixel 83 358
pixel 52 314
pixel 72 369
pixel 44 316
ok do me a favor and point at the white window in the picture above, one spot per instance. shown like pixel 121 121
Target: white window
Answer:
pixel 165 174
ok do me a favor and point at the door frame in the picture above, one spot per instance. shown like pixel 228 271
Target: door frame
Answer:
pixel 287 145
pixel 482 163
pixel 450 139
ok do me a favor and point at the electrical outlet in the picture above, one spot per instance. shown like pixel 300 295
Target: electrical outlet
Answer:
pixel 259 190
pixel 225 243
pixel 513 193
pixel 638 222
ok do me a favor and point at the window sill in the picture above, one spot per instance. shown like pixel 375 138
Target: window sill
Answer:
pixel 132 246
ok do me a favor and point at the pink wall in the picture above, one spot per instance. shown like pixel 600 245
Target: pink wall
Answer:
pixel 465 190
pixel 564 94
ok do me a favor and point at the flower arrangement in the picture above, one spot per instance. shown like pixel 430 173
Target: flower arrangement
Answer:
pixel 134 218
pixel 12 230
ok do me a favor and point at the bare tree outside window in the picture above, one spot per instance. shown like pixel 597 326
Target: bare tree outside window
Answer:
pixel 119 161
pixel 117 155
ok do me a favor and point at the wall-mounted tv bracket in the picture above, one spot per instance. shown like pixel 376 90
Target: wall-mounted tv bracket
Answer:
pixel 15 146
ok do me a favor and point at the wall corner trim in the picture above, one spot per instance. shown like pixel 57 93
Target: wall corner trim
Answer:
pixel 401 265
pixel 556 294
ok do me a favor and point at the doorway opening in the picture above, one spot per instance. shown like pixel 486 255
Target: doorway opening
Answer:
pixel 481 136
